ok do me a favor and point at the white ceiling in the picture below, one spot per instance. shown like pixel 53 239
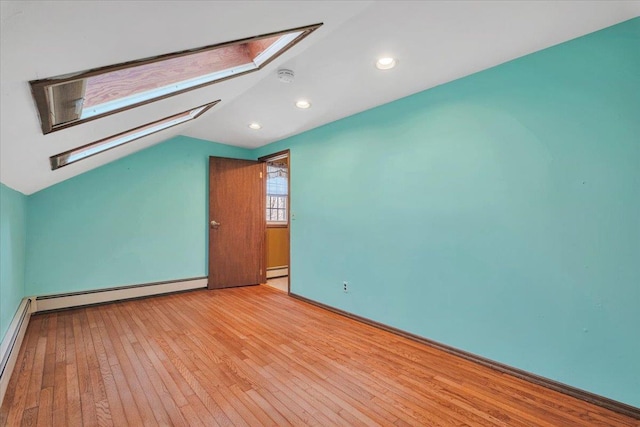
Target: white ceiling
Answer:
pixel 435 42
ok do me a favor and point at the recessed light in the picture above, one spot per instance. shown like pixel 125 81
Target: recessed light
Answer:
pixel 385 63
pixel 303 103
pixel 255 126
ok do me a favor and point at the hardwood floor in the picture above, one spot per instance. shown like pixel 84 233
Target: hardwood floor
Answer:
pixel 254 356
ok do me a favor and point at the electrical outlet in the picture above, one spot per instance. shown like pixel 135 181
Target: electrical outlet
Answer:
pixel 345 286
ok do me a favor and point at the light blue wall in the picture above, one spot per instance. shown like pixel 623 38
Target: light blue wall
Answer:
pixel 499 214
pixel 13 234
pixel 140 219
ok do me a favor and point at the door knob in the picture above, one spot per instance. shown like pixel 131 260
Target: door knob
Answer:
pixel 215 224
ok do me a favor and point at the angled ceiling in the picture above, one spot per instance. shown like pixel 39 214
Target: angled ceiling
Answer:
pixel 434 42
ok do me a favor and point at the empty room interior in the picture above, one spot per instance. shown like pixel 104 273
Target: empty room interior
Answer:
pixel 269 213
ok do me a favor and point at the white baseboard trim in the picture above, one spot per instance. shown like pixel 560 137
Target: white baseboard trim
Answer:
pixel 99 296
pixel 277 272
pixel 10 346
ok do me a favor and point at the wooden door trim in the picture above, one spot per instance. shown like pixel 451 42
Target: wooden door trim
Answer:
pixel 274 155
pixel 264 159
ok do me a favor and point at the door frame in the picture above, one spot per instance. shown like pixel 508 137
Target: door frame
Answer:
pixel 265 159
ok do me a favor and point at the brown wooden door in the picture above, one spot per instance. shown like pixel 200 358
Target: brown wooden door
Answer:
pixel 236 223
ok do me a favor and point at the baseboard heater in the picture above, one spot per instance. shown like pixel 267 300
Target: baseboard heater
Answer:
pixel 274 272
pixel 100 296
pixel 10 346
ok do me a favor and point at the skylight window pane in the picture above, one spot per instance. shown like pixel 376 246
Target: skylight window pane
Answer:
pixel 102 145
pixel 65 101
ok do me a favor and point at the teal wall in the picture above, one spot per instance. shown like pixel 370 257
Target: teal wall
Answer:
pixel 13 234
pixel 140 219
pixel 499 214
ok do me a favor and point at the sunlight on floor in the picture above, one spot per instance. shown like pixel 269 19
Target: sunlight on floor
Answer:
pixel 280 283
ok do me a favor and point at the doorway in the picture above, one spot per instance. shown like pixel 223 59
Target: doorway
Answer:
pixel 249 222
pixel 277 220
pixel 236 223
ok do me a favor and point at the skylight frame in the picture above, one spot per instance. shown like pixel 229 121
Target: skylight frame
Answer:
pixel 41 88
pixel 67 158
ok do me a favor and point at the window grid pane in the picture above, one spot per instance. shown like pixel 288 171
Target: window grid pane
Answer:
pixel 277 191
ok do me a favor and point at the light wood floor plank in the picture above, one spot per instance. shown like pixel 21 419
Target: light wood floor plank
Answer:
pixel 146 398
pixel 116 388
pixel 256 357
pixel 110 403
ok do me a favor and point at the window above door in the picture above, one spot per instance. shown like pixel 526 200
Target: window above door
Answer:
pixel 277 212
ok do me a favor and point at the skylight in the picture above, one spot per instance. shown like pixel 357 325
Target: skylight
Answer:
pixel 64 101
pixel 80 153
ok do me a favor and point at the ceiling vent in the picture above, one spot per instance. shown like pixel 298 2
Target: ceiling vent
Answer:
pixel 285 76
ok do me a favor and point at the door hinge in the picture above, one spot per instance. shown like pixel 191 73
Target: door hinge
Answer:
pixel 260 174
